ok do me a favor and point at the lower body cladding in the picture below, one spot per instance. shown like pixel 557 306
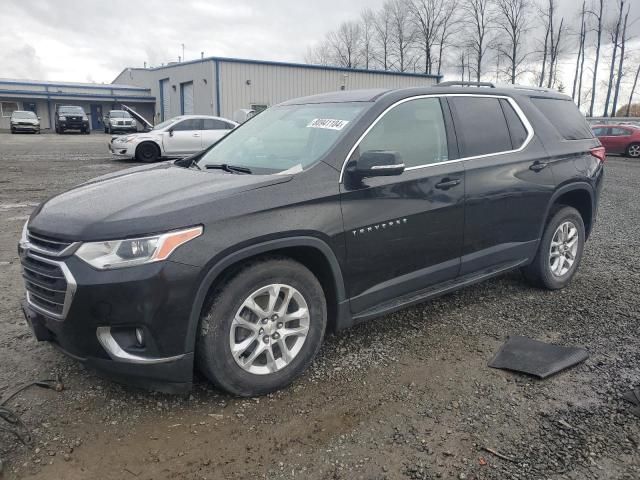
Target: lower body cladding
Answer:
pixel 131 324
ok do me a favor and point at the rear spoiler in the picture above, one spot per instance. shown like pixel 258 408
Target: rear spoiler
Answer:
pixel 138 117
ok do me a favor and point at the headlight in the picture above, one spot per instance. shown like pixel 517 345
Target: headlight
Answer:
pixel 62 118
pixel 127 139
pixel 23 237
pixel 112 254
pixel 133 122
pixel 84 117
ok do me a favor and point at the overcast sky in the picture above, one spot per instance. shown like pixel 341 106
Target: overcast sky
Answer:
pixel 93 40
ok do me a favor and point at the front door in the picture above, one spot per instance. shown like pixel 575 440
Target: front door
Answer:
pixel 404 233
pixel 184 137
pixel 96 117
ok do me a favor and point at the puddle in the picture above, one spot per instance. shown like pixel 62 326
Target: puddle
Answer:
pixel 9 206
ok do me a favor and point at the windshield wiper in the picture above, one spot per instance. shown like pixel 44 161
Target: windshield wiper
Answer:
pixel 227 168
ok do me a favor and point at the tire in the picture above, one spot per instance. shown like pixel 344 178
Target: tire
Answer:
pixel 633 150
pixel 13 131
pixel 109 130
pixel 147 152
pixel 541 271
pixel 87 132
pixel 227 302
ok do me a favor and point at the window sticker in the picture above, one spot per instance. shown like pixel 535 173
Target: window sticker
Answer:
pixel 328 123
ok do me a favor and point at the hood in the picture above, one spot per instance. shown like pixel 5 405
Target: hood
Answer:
pixel 140 201
pixel 31 121
pixel 138 117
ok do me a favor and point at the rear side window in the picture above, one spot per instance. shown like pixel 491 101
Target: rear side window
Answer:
pixel 415 130
pixel 565 116
pixel 481 125
pixel 215 124
pixel 619 132
pixel 516 127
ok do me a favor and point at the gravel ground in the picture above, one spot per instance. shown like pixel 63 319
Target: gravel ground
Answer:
pixel 407 396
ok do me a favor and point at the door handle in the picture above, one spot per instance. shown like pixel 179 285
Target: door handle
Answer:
pixel 537 166
pixel 447 183
pixel 196 134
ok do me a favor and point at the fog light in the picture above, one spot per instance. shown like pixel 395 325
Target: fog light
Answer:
pixel 140 337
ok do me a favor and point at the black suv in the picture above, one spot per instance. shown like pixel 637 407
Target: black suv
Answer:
pixel 315 215
pixel 69 117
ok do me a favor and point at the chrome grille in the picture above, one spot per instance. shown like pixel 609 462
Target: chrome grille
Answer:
pixel 48 245
pixel 49 284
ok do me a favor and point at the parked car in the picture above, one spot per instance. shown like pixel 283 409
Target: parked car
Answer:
pixel 24 121
pixel 176 137
pixel 318 214
pixel 119 121
pixel 622 139
pixel 70 117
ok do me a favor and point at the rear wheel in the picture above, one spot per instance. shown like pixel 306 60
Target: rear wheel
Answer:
pixel 560 250
pixel 633 150
pixel 262 328
pixel 147 152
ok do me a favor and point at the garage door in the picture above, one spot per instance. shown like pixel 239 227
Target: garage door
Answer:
pixel 187 98
pixel 165 99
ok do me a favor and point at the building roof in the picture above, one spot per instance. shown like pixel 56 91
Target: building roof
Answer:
pixel 7 82
pixel 282 64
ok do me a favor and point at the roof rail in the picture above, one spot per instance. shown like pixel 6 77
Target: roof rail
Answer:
pixel 534 89
pixel 454 83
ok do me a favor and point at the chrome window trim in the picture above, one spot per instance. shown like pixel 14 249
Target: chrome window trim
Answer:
pixel 117 353
pixel 512 102
pixel 68 296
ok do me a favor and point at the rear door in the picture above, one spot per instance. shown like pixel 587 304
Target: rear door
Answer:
pixel 404 233
pixel 214 129
pixel 508 184
pixel 185 137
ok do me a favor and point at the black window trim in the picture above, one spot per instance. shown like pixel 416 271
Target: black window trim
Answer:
pixel 512 102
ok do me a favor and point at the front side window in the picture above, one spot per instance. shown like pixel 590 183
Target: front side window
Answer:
pixel 189 124
pixel 599 131
pixel 414 130
pixel 285 137
pixel 481 125
pixel 8 108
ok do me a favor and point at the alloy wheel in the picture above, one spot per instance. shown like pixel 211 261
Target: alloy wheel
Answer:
pixel 564 248
pixel 634 151
pixel 269 329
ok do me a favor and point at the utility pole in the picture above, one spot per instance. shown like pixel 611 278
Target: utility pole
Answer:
pixel 183 52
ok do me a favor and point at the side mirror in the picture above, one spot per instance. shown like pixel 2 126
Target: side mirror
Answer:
pixel 171 132
pixel 39 118
pixel 376 163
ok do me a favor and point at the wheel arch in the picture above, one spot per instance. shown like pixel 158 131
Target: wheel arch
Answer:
pixel 577 195
pixel 149 141
pixel 312 252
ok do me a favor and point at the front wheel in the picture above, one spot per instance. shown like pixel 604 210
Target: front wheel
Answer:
pixel 262 328
pixel 559 252
pixel 147 152
pixel 633 150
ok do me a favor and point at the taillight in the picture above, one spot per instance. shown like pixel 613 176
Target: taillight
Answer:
pixel 599 153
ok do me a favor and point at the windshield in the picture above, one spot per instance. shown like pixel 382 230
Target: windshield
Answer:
pixel 283 138
pixel 119 114
pixel 166 123
pixel 74 110
pixel 23 115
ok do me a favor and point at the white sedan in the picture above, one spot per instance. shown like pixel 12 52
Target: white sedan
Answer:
pixel 177 137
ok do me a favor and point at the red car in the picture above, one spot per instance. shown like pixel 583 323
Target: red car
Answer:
pixel 622 139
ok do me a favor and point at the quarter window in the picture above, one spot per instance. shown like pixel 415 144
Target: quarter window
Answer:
pixel 415 130
pixel 516 127
pixel 481 126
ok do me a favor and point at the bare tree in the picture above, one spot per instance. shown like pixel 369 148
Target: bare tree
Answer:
pixel 382 27
pixel 402 35
pixel 545 48
pixel 615 34
pixel 633 90
pixel 513 22
pixel 367 22
pixel 427 15
pixel 555 54
pixel 577 77
pixel 319 54
pixel 598 17
pixel 479 19
pixel 449 27
pixel 623 43
pixel 553 40
pixel 345 44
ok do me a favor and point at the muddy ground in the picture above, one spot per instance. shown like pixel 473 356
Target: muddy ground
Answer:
pixel 408 396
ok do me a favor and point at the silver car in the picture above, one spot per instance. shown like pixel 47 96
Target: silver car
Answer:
pixel 24 121
pixel 119 121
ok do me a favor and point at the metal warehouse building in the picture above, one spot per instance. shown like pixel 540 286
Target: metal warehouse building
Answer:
pixel 222 86
pixel 44 97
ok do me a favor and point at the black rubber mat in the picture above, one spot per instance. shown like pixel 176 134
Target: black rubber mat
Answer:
pixel 522 354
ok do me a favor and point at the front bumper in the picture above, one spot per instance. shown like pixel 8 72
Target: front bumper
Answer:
pixel 73 125
pixel 25 128
pixel 122 149
pixel 107 306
